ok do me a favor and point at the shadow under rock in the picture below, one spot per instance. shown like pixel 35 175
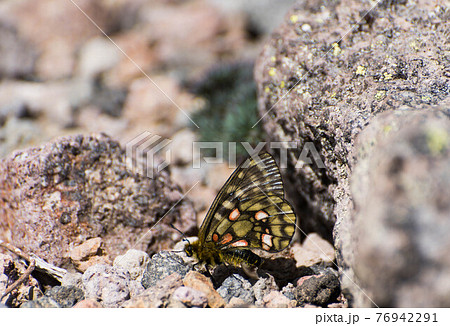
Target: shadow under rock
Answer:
pixel 283 270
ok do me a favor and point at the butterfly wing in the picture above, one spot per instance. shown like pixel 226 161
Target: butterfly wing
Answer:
pixel 250 209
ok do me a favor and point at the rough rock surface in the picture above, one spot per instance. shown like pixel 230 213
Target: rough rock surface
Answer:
pixel 190 297
pixel 57 196
pixel 134 261
pixel 235 286
pixel 398 233
pixel 88 303
pixel 65 296
pixel 288 291
pixel 262 287
pixel 87 254
pixel 203 284
pixel 72 279
pixel 338 85
pixel 345 64
pixel 318 290
pixel 44 302
pixel 275 299
pixel 312 251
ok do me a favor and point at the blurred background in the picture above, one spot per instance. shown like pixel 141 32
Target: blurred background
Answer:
pixel 179 69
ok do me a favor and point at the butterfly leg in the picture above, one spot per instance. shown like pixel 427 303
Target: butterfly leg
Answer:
pixel 209 274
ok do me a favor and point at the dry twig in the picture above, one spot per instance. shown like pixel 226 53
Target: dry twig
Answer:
pixel 25 275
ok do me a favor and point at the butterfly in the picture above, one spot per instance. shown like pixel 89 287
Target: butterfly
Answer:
pixel 249 212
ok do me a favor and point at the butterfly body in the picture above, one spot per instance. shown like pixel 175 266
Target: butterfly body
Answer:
pixel 210 254
pixel 249 212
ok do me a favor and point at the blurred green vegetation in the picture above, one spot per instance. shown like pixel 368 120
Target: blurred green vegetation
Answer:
pixel 230 108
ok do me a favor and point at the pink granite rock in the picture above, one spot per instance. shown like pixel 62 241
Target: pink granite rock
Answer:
pixel 59 195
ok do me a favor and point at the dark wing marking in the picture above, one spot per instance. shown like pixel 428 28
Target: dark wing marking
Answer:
pixel 267 223
pixel 246 189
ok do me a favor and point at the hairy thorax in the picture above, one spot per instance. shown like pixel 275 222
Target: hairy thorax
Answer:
pixel 209 254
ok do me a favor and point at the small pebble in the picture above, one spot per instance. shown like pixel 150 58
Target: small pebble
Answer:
pixel 65 296
pixel 201 283
pixel 162 265
pixel 262 287
pixel 235 286
pixel 134 261
pixel 190 297
pixel 88 303
pixel 275 299
pixel 157 296
pixel 306 27
pixel 44 302
pixel 318 289
pixel 86 249
pixel 107 284
pixel 289 291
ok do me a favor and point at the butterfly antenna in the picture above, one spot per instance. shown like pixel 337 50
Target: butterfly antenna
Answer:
pixel 184 236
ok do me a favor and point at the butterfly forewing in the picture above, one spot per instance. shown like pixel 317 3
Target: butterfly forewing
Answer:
pixel 250 209
pixel 264 175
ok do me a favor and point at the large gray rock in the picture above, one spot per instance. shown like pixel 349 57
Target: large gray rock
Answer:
pixel 396 240
pixel 343 65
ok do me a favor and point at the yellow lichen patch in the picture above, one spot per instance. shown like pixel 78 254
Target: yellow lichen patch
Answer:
pixel 293 19
pixel 380 95
pixel 272 72
pixel 387 76
pixel 267 89
pixel 425 98
pixel 414 45
pixel 387 129
pixel 273 58
pixel 361 70
pixel 336 49
pixel 437 140
pixel 282 84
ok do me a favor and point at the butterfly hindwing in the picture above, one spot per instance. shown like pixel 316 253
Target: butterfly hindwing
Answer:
pixel 250 209
pixel 267 222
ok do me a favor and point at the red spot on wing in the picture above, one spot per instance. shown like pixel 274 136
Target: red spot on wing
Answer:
pixel 261 215
pixel 215 237
pixel 226 238
pixel 234 215
pixel 240 243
